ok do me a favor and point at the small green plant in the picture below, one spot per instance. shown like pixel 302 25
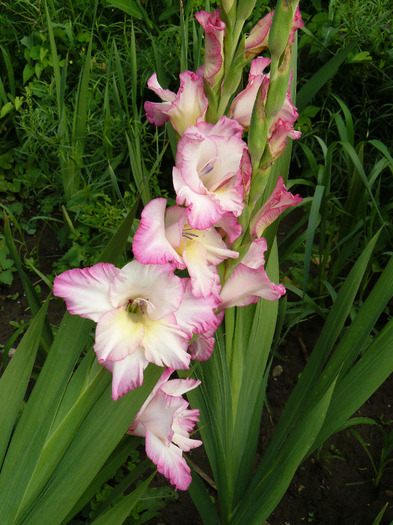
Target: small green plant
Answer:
pixel 326 453
pixel 7 265
pixel 380 465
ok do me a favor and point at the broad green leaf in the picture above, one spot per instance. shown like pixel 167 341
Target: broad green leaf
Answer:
pixel 213 398
pixel 62 434
pixel 26 445
pixel 14 381
pixel 9 106
pixel 202 501
pixel 310 234
pixel 127 6
pixel 331 330
pixel 112 464
pixel 98 435
pixel 268 486
pixel 256 349
pixel 364 378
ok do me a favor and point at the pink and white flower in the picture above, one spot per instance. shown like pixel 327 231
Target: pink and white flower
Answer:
pixel 201 348
pixel 297 23
pixel 279 200
pixel 165 421
pixel 282 125
pixel 248 281
pixel 209 172
pixel 144 314
pixel 184 108
pixel 214 57
pixel 242 105
pixel 164 235
pixel 258 39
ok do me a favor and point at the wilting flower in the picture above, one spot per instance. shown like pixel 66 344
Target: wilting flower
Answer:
pixel 165 421
pixel 214 57
pixel 144 314
pixel 209 172
pixel 164 235
pixel 248 281
pixel 279 200
pixel 184 108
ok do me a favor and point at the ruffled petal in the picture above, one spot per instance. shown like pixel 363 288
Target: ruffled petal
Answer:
pixel 246 285
pixel 166 344
pixel 279 200
pixel 178 387
pixel 184 108
pixel 257 41
pixel 243 104
pixel 184 422
pixel 230 226
pixel 169 460
pixel 208 175
pixel 201 349
pixel 191 102
pixel 255 256
pixel 196 314
pixel 202 211
pixel 202 275
pixel 127 374
pixel 150 244
pixel 159 414
pixel 215 31
pixel 86 291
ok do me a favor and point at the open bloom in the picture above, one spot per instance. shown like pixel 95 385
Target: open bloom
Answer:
pixel 144 313
pixel 209 171
pixel 248 281
pixel 279 200
pixel 214 58
pixel 165 421
pixel 164 235
pixel 184 108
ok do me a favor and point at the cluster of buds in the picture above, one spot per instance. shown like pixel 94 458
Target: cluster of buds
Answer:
pixel 145 312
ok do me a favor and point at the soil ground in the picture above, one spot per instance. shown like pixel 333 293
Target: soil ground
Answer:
pixel 332 487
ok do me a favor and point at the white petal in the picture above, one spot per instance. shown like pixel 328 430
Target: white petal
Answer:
pixel 127 374
pixel 86 291
pixel 169 461
pixel 178 387
pixel 117 335
pixel 166 344
pixel 196 314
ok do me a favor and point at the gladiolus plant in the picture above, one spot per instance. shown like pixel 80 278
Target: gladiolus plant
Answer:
pixel 194 313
